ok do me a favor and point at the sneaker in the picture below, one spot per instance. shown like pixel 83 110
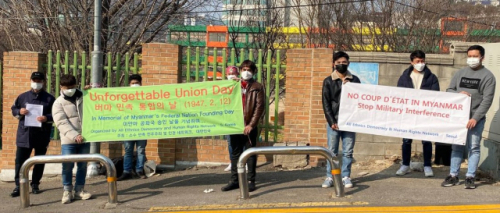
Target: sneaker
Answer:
pixel 347 182
pixel 469 183
pixel 82 195
pixel 450 181
pixel 141 175
pixel 403 170
pixel 35 189
pixel 230 186
pixel 228 168
pixel 67 197
pixel 251 186
pixel 15 192
pixel 328 183
pixel 125 176
pixel 428 171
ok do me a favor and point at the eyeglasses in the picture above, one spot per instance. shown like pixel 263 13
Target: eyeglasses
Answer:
pixel 246 70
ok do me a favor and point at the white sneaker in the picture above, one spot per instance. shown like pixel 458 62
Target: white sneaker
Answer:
pixel 67 197
pixel 428 171
pixel 228 168
pixel 328 182
pixel 403 170
pixel 347 182
pixel 82 195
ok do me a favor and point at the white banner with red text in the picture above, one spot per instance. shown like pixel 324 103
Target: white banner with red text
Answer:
pixel 405 113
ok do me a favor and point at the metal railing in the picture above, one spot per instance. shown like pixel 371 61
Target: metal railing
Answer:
pixel 24 172
pixel 287 150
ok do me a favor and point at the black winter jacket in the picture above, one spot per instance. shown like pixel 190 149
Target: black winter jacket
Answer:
pixel 429 82
pixel 332 88
pixel 31 137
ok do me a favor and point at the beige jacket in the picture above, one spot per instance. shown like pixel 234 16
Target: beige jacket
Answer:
pixel 68 118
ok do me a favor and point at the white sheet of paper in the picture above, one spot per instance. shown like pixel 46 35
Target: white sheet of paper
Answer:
pixel 35 110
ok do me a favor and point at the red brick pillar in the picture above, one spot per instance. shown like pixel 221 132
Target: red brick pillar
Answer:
pixel 17 69
pixel 161 65
pixel 305 121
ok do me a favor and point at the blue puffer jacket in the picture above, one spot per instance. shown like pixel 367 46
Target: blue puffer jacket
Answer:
pixel 429 82
pixel 31 137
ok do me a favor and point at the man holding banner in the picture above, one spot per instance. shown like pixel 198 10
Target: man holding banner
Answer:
pixel 479 83
pixel 253 99
pixel 68 114
pixel 417 76
pixel 332 86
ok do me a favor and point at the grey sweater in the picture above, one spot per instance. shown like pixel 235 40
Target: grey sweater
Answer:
pixel 480 84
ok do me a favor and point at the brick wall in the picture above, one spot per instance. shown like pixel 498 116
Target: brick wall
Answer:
pixel 160 65
pixel 304 119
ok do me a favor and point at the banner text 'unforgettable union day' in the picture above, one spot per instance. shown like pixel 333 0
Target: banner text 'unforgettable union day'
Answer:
pixel 164 111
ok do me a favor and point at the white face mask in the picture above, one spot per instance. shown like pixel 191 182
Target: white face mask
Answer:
pixel 231 77
pixel 473 62
pixel 135 85
pixel 246 75
pixel 419 67
pixel 69 92
pixel 36 86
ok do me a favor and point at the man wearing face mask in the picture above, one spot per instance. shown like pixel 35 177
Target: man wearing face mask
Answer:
pixel 32 138
pixel 478 83
pixel 253 108
pixel 232 73
pixel 332 87
pixel 134 81
pixel 68 114
pixel 417 76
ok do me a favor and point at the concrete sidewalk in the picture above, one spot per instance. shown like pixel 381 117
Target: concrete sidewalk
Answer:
pixel 183 190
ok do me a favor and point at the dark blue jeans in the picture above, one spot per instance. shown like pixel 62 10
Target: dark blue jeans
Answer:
pixel 427 147
pixel 67 168
pixel 128 159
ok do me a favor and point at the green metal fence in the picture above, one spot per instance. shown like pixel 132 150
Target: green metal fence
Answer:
pixel 270 72
pixel 117 69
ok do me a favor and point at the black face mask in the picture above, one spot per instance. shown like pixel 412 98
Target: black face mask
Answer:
pixel 341 68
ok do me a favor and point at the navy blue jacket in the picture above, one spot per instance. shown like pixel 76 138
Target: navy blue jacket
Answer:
pixel 31 137
pixel 429 82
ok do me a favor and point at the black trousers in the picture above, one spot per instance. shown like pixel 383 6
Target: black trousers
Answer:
pixel 238 142
pixel 442 154
pixel 22 154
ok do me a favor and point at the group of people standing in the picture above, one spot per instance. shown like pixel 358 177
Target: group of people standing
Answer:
pixel 475 81
pixel 67 112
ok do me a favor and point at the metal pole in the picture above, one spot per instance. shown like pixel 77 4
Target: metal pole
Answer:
pixel 296 150
pixel 24 172
pixel 96 76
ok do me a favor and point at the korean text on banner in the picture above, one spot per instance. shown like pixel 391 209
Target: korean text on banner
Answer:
pixel 405 113
pixel 164 111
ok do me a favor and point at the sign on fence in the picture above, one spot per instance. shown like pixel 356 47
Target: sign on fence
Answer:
pixel 366 72
pixel 164 111
pixel 405 113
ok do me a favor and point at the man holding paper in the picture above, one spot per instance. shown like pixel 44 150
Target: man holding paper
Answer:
pixel 34 111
